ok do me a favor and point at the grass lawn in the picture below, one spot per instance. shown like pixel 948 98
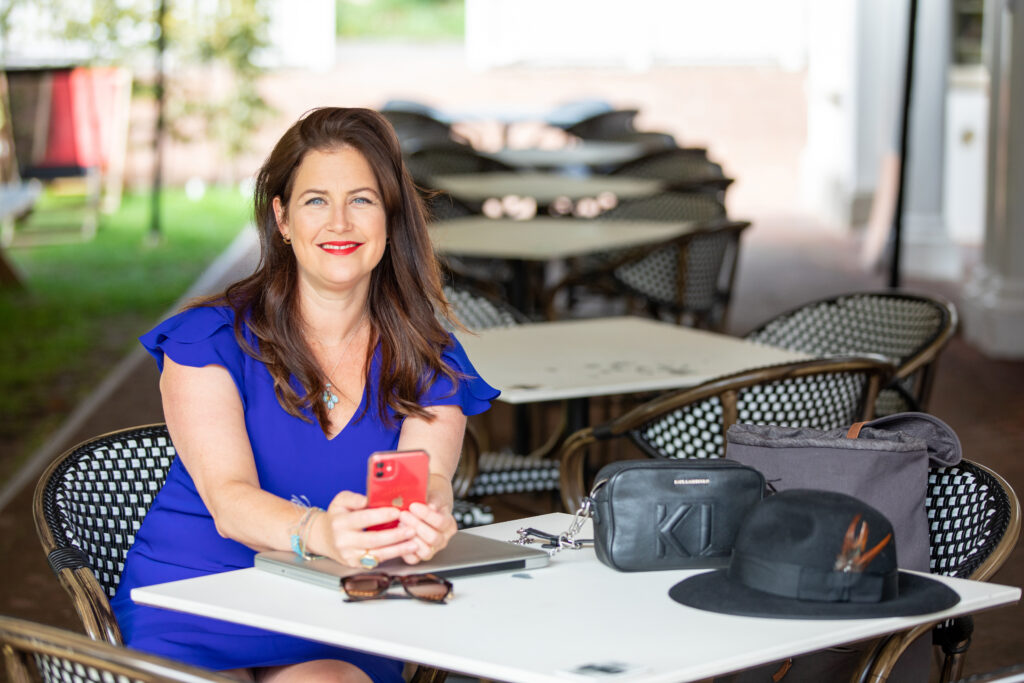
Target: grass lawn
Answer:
pixel 85 303
pixel 423 20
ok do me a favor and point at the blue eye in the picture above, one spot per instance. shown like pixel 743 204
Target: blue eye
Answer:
pixel 315 200
pixel 363 200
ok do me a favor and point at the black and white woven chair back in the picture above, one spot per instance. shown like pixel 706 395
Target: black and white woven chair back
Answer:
pixel 968 514
pixel 826 400
pixel 656 276
pixel 477 311
pixel 96 498
pixel 897 326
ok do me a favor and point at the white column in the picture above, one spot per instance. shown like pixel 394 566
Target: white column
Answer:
pixel 993 298
pixel 927 249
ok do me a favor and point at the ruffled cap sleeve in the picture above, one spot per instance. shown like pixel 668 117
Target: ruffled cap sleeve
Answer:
pixel 472 393
pixel 198 337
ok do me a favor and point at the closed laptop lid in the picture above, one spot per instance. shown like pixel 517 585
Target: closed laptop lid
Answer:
pixel 465 554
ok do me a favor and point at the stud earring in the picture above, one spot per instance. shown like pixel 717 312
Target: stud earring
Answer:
pixel 286 239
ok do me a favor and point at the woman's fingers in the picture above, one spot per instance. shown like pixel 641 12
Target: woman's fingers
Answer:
pixel 433 528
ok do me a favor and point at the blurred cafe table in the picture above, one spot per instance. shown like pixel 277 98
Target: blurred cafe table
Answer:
pixel 575 359
pixel 545 188
pixel 545 239
pixel 581 155
pixel 559 623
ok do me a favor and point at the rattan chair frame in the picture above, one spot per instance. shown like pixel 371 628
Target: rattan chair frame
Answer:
pixel 29 646
pixel 61 543
pixel 63 547
pixel 605 277
pixel 916 368
pixel 727 390
pixel 1006 525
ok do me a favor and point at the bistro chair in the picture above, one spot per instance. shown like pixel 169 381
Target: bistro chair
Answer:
pixel 680 169
pixel 691 423
pixel 604 124
pixel 416 129
pixel 484 472
pixel 34 652
pixel 429 161
pixel 974 517
pixel 688 278
pixel 88 505
pixel 491 275
pixel 909 329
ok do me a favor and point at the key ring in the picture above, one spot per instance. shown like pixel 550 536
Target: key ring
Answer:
pixel 554 543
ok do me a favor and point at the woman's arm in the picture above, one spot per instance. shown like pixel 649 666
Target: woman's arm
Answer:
pixel 204 417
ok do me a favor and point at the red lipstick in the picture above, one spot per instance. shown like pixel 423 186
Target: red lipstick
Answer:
pixel 340 248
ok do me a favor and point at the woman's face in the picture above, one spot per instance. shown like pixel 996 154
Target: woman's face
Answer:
pixel 335 219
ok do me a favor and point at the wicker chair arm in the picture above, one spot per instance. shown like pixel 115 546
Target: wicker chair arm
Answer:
pixel 572 459
pixel 24 643
pixel 91 604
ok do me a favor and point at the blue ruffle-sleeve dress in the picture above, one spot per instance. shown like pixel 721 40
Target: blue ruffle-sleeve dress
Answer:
pixel 178 539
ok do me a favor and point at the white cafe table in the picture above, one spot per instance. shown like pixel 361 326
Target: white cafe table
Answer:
pixel 571 359
pixel 545 238
pixel 537 626
pixel 543 187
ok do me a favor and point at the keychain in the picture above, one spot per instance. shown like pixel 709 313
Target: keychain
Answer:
pixel 554 543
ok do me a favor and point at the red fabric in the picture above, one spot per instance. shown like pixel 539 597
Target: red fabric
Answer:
pixel 83 114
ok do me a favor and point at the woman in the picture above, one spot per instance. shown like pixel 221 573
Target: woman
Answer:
pixel 276 392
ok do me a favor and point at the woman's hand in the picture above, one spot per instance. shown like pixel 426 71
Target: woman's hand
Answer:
pixel 433 523
pixel 339 533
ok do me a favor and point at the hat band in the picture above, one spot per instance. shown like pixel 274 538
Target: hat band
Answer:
pixel 809 583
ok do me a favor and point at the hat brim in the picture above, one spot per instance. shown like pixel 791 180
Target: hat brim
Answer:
pixel 714 592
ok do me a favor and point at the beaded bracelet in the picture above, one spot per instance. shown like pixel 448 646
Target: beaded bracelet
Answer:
pixel 298 537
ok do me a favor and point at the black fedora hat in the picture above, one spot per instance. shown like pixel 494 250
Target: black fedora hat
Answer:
pixel 803 554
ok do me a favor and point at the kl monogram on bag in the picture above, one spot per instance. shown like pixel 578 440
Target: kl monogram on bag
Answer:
pixel 675 514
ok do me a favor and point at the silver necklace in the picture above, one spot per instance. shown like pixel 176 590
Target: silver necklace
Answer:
pixel 329 398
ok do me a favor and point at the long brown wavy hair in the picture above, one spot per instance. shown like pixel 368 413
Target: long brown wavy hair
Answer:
pixel 405 287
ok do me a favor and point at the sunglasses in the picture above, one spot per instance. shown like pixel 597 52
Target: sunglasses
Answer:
pixel 426 587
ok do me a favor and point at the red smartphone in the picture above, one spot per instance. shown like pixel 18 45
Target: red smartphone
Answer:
pixel 396 479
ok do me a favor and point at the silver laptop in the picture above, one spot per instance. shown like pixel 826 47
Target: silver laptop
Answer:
pixel 465 554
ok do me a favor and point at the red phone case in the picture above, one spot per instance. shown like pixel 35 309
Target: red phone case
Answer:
pixel 396 479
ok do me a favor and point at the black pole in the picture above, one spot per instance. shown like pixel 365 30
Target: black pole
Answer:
pixel 158 135
pixel 896 235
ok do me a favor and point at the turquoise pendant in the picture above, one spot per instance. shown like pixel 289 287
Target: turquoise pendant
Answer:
pixel 329 397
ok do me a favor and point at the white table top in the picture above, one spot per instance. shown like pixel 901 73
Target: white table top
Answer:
pixel 537 626
pixel 591 153
pixel 600 356
pixel 544 238
pixel 544 187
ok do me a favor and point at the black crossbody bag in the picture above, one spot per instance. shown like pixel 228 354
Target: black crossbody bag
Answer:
pixel 670 514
